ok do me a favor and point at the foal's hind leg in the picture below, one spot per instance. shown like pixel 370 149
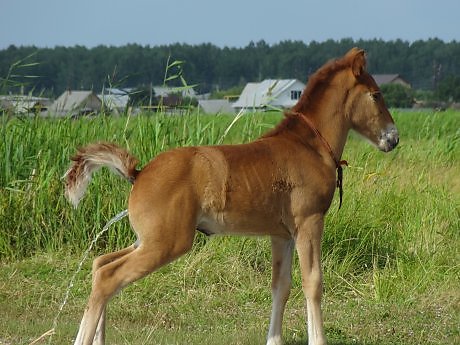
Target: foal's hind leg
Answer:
pixel 113 276
pixel 99 262
pixel 99 338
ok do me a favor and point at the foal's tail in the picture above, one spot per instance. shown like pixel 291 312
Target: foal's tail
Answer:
pixel 92 157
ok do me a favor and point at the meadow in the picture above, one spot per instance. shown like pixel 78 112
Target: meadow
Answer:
pixel 391 254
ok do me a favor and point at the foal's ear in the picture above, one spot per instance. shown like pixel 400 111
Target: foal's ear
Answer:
pixel 358 64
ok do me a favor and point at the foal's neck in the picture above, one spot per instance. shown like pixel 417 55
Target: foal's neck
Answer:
pixel 333 127
pixel 328 117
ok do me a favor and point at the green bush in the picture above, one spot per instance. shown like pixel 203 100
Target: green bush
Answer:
pixel 397 96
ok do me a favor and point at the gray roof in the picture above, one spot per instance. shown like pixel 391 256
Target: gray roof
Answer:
pixel 72 100
pixel 23 103
pixel 381 79
pixel 268 93
pixel 165 91
pixel 216 106
pixel 114 101
pixel 5 104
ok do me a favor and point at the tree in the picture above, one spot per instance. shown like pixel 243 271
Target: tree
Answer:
pixel 397 96
pixel 425 64
pixel 449 89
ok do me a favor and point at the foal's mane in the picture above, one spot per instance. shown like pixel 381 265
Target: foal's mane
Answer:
pixel 312 93
pixel 318 82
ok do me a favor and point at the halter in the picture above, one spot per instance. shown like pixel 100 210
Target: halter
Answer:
pixel 338 163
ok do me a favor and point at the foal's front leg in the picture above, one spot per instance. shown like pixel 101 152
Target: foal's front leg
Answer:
pixel 281 285
pixel 308 245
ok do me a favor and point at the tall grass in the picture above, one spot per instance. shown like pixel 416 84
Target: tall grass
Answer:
pixel 35 154
pixel 397 206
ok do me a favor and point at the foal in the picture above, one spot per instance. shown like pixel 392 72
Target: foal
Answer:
pixel 280 185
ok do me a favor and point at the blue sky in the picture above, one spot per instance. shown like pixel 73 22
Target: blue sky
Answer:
pixel 47 23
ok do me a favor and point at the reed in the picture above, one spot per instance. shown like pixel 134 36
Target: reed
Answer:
pixel 36 153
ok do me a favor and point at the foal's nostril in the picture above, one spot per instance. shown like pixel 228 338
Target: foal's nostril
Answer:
pixel 393 137
pixel 389 139
pixel 394 141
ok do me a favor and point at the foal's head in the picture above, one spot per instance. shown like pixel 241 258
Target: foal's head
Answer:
pixel 365 107
pixel 345 85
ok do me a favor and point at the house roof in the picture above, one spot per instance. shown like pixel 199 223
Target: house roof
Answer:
pixel 23 103
pixel 381 79
pixel 5 104
pixel 71 100
pixel 113 100
pixel 265 93
pixel 165 91
pixel 216 106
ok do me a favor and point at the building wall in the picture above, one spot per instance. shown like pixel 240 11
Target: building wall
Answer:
pixel 284 100
pixel 93 103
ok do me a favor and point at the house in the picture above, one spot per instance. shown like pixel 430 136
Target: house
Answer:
pixel 270 93
pixel 75 103
pixel 215 106
pixel 5 104
pixel 30 104
pixel 381 79
pixel 24 104
pixel 115 100
pixel 166 91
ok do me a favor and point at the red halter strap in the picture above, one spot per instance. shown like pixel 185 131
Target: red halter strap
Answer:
pixel 338 164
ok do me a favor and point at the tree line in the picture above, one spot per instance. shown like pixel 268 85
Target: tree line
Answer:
pixel 430 65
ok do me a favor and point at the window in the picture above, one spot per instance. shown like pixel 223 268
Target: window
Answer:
pixel 295 94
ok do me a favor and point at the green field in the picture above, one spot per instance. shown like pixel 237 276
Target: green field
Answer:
pixel 391 254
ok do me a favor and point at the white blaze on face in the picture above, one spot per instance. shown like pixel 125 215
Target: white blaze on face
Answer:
pixel 389 138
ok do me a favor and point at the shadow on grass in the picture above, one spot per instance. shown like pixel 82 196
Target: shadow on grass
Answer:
pixel 330 342
pixel 334 336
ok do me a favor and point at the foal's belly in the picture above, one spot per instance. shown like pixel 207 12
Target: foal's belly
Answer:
pixel 242 223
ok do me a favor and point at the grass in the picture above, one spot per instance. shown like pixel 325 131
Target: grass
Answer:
pixel 391 257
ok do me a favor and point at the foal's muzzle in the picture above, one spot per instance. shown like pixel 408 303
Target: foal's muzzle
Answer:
pixel 388 139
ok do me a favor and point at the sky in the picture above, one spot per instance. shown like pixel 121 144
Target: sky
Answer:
pixel 235 23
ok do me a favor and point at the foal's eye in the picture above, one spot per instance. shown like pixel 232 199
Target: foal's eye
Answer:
pixel 376 95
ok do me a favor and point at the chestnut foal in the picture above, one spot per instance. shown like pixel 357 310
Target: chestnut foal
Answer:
pixel 280 185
